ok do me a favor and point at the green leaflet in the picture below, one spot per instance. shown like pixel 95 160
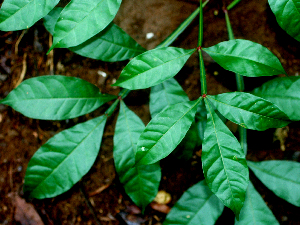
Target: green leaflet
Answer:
pixel 287 13
pixel 255 210
pixel 141 182
pixel 281 177
pixel 64 159
pixel 55 97
pixel 283 92
pixel 201 119
pixel 164 132
pixel 246 58
pixel 153 67
pixel 197 206
pixel 19 15
pixel 249 111
pixel 223 162
pixel 82 19
pixel 110 45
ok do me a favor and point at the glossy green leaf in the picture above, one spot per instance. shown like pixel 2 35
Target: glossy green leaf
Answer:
pixel 166 94
pixel 255 211
pixel 197 206
pixel 19 15
pixel 51 19
pixel 223 162
pixel 164 132
pixel 246 58
pixel 287 13
pixel 141 182
pixel 283 92
pixel 55 97
pixel 153 67
pixel 281 177
pixel 82 19
pixel 64 159
pixel 201 119
pixel 249 111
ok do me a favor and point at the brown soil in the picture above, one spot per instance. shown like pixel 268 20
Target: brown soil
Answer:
pixel 20 136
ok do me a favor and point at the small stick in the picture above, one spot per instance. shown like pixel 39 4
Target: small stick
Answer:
pixel 51 57
pixel 24 69
pixel 18 42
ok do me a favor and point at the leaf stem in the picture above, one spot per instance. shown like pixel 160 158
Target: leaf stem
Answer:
pixel 232 4
pixel 122 94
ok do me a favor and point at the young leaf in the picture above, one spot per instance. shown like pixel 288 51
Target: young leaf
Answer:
pixel 55 97
pixel 249 111
pixel 255 210
pixel 64 159
pixel 223 162
pixel 246 58
pixel 153 67
pixel 140 182
pixel 197 206
pixel 19 15
pixel 164 132
pixel 281 177
pixel 284 92
pixel 166 94
pixel 82 19
pixel 287 13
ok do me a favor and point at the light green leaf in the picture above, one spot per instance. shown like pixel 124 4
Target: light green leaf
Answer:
pixel 249 111
pixel 246 58
pixel 287 13
pixel 283 92
pixel 164 132
pixel 82 19
pixel 166 94
pixel 197 206
pixel 153 67
pixel 140 182
pixel 19 15
pixel 255 211
pixel 281 177
pixel 64 159
pixel 55 97
pixel 223 162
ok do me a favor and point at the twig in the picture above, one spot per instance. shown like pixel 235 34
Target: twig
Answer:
pixel 18 42
pixel 51 57
pixel 99 190
pixel 22 75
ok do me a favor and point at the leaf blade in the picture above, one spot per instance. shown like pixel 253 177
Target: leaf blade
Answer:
pixel 55 97
pixel 50 171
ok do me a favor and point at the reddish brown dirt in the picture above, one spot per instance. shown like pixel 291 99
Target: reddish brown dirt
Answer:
pixel 20 137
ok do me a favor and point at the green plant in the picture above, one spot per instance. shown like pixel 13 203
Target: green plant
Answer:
pixel 68 156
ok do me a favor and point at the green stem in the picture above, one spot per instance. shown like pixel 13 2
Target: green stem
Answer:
pixel 200 38
pixel 122 94
pixel 232 4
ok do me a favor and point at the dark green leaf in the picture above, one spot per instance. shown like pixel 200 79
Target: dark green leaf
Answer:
pixel 153 67
pixel 140 182
pixel 51 19
pixel 19 15
pixel 197 206
pixel 283 92
pixel 82 19
pixel 201 119
pixel 64 159
pixel 249 111
pixel 223 162
pixel 287 13
pixel 281 177
pixel 246 58
pixel 55 97
pixel 255 210
pixel 166 94
pixel 164 132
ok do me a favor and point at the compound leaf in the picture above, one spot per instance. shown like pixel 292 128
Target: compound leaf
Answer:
pixel 82 19
pixel 223 162
pixel 287 13
pixel 153 67
pixel 55 97
pixel 281 177
pixel 164 132
pixel 197 206
pixel 19 15
pixel 64 159
pixel 140 182
pixel 255 210
pixel 246 58
pixel 249 111
pixel 283 92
